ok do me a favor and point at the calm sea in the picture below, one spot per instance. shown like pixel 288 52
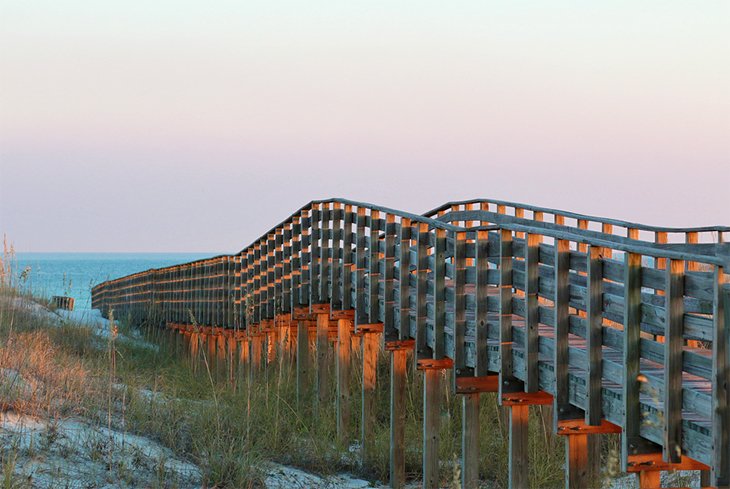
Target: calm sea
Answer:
pixel 73 274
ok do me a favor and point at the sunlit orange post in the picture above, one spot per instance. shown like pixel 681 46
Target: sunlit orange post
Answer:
pixel 399 350
pixel 371 334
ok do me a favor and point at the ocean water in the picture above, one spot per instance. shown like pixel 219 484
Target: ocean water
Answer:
pixel 73 274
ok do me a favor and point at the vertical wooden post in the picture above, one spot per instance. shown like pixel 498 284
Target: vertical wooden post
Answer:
pixel 231 358
pixel 431 427
pixel 649 479
pixel 439 292
pixel 470 441
pixel 720 380
pixel 210 342
pixel 518 450
pixel 561 311
pixel 422 270
pixel 692 237
pixel 582 224
pixel 404 279
pixel 594 337
pixel 344 349
pixel 398 356
pixel 631 438
pixel 193 344
pixel 674 328
pixel 531 311
pixel 507 380
pixel 577 462
pixel 257 350
pixel 432 391
pixel 221 350
pixel 583 451
pixel 482 303
pixel 370 344
pixel 244 353
pixel 302 364
pixel 322 367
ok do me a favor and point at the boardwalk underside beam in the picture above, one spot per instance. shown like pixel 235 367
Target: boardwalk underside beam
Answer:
pixel 648 468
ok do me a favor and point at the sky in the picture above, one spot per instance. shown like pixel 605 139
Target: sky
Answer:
pixel 196 126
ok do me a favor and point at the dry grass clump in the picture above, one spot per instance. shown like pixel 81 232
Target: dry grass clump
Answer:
pixel 230 429
pixel 39 378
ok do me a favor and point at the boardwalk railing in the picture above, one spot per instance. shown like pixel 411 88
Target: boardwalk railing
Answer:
pixel 622 327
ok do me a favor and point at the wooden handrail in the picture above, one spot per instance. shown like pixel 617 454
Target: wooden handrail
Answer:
pixel 543 305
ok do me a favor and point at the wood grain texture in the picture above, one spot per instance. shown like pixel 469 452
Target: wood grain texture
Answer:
pixel 588 326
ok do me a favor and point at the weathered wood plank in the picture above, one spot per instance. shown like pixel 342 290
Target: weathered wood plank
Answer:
pixel 404 280
pixel 518 476
pixel 344 353
pixel 373 273
pixel 594 337
pixel 361 310
pixel 336 270
pixel 470 455
pixel 577 463
pixel 507 381
pixel 458 304
pixel 398 359
pixel 561 310
pixel 720 378
pixel 422 291
pixel 431 427
pixel 347 259
pixel 370 346
pixel 389 257
pixel 324 263
pixel 630 439
pixel 531 317
pixel 316 256
pixel 671 448
pixel 482 304
pixel 439 293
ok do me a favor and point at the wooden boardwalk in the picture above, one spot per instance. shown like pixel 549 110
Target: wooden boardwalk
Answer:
pixel 621 327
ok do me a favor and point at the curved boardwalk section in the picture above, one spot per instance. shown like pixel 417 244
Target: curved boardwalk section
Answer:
pixel 621 327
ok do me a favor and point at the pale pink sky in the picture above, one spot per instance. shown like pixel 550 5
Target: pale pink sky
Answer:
pixel 196 126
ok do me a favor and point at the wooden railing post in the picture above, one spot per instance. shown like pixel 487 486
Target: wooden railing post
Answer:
pixel 432 392
pixel 470 440
pixel 370 345
pixel 507 380
pixel 302 271
pixel 398 357
pixel 532 259
pixel 404 276
pixel 303 364
pixel 594 337
pixel 673 349
pixel 481 296
pixel 470 388
pixel 721 380
pixel 518 458
pixel 322 379
pixel 631 439
pixel 344 350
